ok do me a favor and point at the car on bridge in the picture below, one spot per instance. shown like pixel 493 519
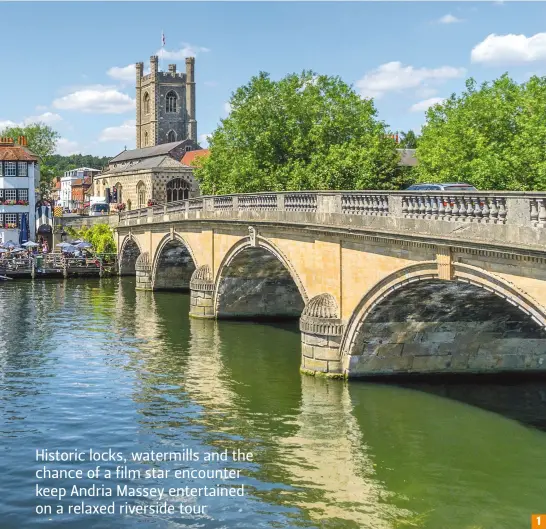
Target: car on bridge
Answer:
pixel 442 187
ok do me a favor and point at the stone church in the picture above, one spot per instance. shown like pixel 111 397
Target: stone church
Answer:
pixel 166 128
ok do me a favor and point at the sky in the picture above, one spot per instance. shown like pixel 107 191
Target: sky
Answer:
pixel 71 64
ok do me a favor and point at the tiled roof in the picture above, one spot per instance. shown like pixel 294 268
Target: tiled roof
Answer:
pixel 148 163
pixel 190 156
pixel 407 157
pixel 15 152
pixel 147 152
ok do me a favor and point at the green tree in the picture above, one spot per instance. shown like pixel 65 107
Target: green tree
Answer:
pixel 305 131
pixel 491 136
pixel 408 140
pixel 99 235
pixel 42 141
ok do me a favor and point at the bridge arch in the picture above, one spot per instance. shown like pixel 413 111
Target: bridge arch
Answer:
pixel 128 253
pixel 256 280
pixel 173 265
pixel 400 323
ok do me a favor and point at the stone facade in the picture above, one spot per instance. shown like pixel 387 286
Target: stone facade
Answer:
pixel 202 292
pixel 143 269
pixel 321 332
pixel 165 109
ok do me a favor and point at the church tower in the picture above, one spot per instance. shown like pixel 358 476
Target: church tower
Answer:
pixel 165 104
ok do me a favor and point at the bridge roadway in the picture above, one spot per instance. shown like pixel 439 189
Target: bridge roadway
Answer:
pixel 383 283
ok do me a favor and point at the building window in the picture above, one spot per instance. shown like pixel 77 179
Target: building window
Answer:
pixel 177 189
pixel 188 148
pixel 146 103
pixel 141 195
pixel 11 169
pixel 23 194
pixel 146 139
pixel 10 194
pixel 171 136
pixel 22 168
pixel 171 102
pixel 10 220
pixel 1 166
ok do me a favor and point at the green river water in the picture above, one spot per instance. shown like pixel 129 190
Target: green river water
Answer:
pixel 95 364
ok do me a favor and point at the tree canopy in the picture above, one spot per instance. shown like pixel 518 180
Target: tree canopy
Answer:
pixel 492 136
pixel 305 131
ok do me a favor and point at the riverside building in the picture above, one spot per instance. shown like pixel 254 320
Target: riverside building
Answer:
pixel 19 178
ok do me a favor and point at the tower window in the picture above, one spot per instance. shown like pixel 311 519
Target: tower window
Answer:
pixel 171 102
pixel 146 103
pixel 145 139
pixel 171 136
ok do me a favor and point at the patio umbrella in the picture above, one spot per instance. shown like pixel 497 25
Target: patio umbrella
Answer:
pixel 84 244
pixel 18 250
pixel 9 244
pixel 23 233
pixel 63 244
pixel 3 250
pixel 30 244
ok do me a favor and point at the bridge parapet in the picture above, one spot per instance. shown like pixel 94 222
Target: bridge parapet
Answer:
pixel 491 217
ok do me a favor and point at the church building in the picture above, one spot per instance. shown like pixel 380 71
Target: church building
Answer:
pixel 166 129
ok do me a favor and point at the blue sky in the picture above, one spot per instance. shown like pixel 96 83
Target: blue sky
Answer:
pixel 70 64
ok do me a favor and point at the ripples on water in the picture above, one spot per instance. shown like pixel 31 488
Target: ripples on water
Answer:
pixel 97 364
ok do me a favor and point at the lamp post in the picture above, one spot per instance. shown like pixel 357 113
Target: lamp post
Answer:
pixel 63 236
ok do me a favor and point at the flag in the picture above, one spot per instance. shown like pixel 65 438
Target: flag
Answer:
pixel 162 39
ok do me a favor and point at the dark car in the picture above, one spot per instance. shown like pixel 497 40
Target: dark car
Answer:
pixel 441 187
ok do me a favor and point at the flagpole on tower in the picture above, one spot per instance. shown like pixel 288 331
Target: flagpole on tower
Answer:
pixel 162 50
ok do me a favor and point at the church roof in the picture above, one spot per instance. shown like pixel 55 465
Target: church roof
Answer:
pixel 147 163
pixel 147 152
pixel 189 157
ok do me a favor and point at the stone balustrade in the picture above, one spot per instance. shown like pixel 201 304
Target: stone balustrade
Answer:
pixel 489 216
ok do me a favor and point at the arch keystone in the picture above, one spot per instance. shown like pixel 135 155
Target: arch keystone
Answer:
pixel 202 292
pixel 321 331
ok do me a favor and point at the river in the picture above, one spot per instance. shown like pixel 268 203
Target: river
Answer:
pixel 95 364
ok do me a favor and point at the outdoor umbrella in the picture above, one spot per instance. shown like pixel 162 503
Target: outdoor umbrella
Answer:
pixel 30 244
pixel 18 250
pixel 9 244
pixel 63 244
pixel 3 250
pixel 84 244
pixel 23 233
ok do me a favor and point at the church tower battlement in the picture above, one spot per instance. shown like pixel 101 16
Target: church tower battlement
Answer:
pixel 165 104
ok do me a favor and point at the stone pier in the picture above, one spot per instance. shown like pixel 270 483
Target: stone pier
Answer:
pixel 202 293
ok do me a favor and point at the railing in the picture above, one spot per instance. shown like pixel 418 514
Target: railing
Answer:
pixel 462 208
pixel 352 207
pixel 355 204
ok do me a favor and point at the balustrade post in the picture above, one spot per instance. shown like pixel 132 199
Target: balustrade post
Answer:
pixel 542 212
pixel 280 202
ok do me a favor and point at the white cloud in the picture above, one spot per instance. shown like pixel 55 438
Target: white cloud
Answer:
pixel 97 99
pixel 187 50
pixel 449 19
pixel 46 117
pixel 510 49
pixel 124 132
pixel 423 106
pixel 204 140
pixel 67 147
pixel 394 77
pixel 122 73
pixel 227 108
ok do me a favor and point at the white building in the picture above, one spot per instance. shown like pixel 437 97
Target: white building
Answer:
pixel 66 200
pixel 19 178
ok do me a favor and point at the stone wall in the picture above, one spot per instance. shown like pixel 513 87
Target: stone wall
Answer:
pixel 174 268
pixel 257 285
pixel 447 327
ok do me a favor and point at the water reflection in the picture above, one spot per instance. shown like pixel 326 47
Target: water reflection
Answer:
pixel 97 363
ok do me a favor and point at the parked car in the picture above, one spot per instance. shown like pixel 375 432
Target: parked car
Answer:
pixel 442 187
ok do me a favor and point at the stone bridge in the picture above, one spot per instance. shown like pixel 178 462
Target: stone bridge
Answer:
pixel 383 283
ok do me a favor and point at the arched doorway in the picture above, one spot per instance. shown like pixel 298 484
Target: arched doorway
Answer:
pixel 45 234
pixel 177 189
